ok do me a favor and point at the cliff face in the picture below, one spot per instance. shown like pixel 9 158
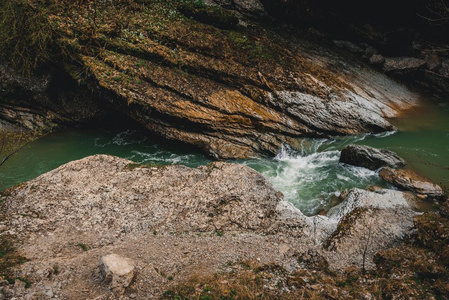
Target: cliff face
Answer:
pixel 35 101
pixel 211 78
pixel 406 39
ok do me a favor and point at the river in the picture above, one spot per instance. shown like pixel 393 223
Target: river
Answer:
pixel 311 178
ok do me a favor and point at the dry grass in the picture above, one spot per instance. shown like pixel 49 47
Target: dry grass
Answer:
pixel 418 269
pixel 25 34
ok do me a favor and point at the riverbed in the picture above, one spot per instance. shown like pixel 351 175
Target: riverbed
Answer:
pixel 309 176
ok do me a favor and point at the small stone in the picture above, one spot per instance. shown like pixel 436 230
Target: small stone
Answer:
pixel 19 287
pixel 377 59
pixel 433 62
pixel 403 64
pixel 350 46
pixel 49 291
pixel 118 271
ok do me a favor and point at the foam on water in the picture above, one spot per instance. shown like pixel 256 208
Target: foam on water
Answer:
pixel 309 178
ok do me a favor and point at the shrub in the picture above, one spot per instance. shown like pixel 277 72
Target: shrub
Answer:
pixel 25 34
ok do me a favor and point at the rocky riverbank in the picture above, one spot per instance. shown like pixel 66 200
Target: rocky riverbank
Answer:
pixel 174 223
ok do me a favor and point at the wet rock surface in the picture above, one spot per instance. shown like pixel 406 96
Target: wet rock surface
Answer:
pixel 410 181
pixel 370 158
pixel 173 222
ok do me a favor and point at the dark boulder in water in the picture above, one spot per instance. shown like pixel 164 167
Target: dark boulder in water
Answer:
pixel 370 158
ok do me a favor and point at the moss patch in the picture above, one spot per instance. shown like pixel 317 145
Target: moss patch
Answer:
pixel 10 258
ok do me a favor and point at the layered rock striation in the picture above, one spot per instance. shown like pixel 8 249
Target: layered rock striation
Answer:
pixel 233 91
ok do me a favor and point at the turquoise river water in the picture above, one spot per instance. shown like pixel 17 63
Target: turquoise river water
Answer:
pixel 310 178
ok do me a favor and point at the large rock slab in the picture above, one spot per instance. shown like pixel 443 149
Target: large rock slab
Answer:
pixel 370 158
pixel 112 196
pixel 173 222
pixel 368 222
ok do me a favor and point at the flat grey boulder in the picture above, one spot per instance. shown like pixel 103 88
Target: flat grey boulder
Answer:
pixel 410 181
pixel 370 158
pixel 377 59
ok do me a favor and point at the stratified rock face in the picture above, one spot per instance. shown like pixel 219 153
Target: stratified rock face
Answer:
pixel 33 101
pixel 410 181
pixel 370 158
pixel 175 221
pixel 235 93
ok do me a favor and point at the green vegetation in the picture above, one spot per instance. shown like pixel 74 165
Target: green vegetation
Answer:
pixel 254 49
pixel 83 246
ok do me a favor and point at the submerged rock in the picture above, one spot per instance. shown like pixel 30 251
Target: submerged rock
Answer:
pixel 370 158
pixel 410 181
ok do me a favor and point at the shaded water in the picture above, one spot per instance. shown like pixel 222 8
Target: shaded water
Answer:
pixel 310 178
